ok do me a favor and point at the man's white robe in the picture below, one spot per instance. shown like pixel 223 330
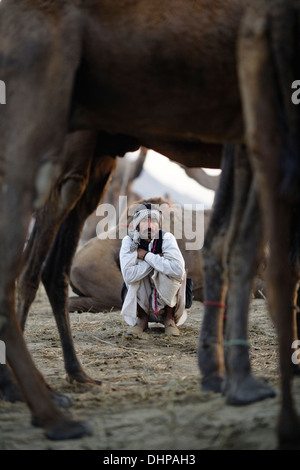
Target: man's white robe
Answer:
pixel 164 273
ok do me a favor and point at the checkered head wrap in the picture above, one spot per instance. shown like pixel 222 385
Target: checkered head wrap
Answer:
pixel 139 215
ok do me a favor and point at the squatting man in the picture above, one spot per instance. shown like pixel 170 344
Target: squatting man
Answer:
pixel 154 274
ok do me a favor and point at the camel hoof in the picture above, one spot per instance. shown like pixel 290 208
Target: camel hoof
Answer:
pixel 82 378
pixel 212 383
pixel 247 391
pixel 63 401
pixel 69 430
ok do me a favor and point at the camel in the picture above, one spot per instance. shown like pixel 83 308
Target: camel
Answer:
pixel 55 72
pixel 99 290
pixel 267 47
pixel 119 72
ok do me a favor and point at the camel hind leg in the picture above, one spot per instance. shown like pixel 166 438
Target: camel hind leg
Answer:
pixel 241 386
pixel 56 271
pixel 210 350
pixel 33 388
pixel 230 260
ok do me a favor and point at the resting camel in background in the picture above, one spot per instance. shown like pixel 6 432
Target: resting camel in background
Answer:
pixel 139 69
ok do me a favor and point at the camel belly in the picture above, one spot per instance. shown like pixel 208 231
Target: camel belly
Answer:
pixel 171 75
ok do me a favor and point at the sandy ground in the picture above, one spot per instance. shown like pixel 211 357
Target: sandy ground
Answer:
pixel 150 396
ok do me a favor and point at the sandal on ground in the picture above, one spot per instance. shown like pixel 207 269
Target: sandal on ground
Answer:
pixel 172 330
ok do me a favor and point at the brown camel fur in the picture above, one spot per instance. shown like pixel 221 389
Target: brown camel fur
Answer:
pixel 167 77
pixel 204 179
pixel 57 69
pixel 267 51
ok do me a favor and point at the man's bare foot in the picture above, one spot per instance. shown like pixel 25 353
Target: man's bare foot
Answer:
pixel 172 330
pixel 169 322
pixel 142 319
pixel 135 330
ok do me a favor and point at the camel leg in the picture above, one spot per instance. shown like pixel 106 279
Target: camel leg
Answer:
pixel 210 351
pixel 32 131
pixel 226 265
pixel 17 198
pixel 267 151
pixel 68 189
pixel 241 387
pixel 243 250
pixel 280 290
pixel 56 271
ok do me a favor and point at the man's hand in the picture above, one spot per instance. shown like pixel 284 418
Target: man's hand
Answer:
pixel 141 253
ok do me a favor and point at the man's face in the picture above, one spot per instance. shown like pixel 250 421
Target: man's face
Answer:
pixel 148 228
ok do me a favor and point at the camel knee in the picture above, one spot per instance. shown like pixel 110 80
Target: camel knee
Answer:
pixel 213 258
pixel 71 191
pixel 46 178
pixel 237 267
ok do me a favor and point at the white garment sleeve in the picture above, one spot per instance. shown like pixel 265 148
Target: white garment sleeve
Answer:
pixel 172 262
pixel 132 268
